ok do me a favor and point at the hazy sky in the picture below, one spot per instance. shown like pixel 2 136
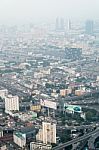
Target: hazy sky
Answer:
pixel 34 10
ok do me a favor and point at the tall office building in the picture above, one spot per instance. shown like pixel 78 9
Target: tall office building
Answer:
pixel 69 25
pixel 89 27
pixel 57 24
pixel 11 103
pixel 61 24
pixel 47 134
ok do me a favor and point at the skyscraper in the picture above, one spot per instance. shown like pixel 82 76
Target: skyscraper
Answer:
pixel 47 134
pixel 57 24
pixel 61 24
pixel 69 25
pixel 89 27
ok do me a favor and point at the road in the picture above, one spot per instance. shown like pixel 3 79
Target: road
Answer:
pixel 13 89
pixel 95 124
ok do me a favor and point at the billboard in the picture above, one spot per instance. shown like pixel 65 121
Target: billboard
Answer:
pixel 35 107
pixel 48 103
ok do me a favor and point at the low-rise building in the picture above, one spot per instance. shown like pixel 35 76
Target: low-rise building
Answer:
pixel 65 92
pixel 3 93
pixel 20 139
pixel 1 132
pixel 35 107
pixel 72 109
pixel 3 146
pixel 40 146
pixel 79 92
pixel 26 116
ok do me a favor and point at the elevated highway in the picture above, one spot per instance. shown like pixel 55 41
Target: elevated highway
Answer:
pixel 76 140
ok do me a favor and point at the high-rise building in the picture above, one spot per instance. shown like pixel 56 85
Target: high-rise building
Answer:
pixel 47 134
pixel 89 27
pixel 69 25
pixel 11 103
pixel 61 24
pixel 57 23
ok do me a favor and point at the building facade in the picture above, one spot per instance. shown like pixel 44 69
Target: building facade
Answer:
pixel 89 27
pixel 3 93
pixel 11 103
pixel 40 146
pixel 19 139
pixel 47 134
pixel 1 132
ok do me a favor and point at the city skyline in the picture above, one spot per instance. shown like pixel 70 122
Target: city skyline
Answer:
pixel 15 11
